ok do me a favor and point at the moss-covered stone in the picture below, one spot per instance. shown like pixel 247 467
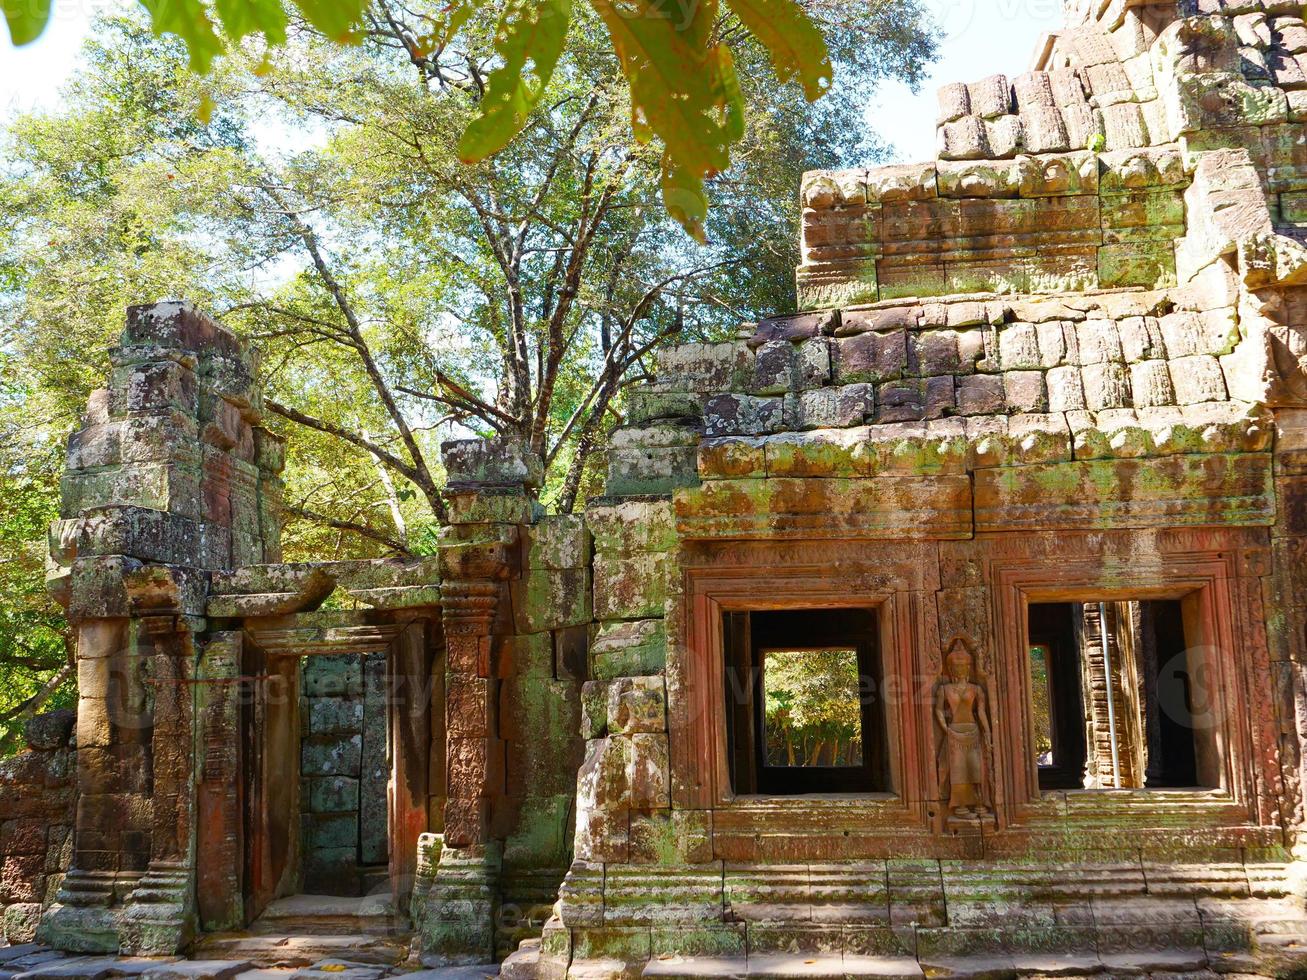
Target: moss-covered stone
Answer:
pixel 493 505
pixel 638 471
pixel 551 598
pixel 634 587
pixel 1147 264
pixel 629 649
pixel 559 541
pixel 623 527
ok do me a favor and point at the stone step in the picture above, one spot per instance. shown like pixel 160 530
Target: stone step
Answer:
pixel 475 971
pixel 783 966
pixel 78 967
pixel 999 966
pixel 335 969
pixel 267 973
pixel 199 970
pixel 523 962
pixel 8 953
pixel 54 965
pixel 31 957
pixel 329 915
pixel 303 950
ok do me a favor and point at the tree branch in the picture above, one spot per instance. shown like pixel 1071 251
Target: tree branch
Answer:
pixel 33 704
pixel 353 438
pixel 423 478
pixel 354 527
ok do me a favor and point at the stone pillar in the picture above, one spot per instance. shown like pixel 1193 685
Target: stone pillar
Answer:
pixel 170 478
pixel 82 918
pixel 490 491
pixel 221 784
pixel 1286 591
pixel 159 917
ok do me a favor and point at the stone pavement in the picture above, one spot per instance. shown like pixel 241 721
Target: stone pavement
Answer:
pixel 31 961
pixel 1273 959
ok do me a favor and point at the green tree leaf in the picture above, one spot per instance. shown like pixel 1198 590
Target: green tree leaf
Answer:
pixel 684 198
pixel 684 195
pixel 675 83
pixel 683 89
pixel 337 19
pixel 189 20
pixel 529 39
pixel 244 17
pixel 795 43
pixel 26 19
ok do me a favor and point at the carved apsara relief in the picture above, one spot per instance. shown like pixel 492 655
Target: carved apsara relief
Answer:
pixel 961 709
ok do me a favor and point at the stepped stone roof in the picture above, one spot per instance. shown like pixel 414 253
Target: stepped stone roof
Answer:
pixel 1084 272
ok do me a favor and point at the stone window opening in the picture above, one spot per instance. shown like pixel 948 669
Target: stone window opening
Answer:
pixel 1117 700
pixel 803 702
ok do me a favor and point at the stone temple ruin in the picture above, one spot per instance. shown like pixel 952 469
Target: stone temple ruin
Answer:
pixel 1034 464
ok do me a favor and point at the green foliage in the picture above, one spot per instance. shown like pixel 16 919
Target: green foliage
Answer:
pixel 680 70
pixel 32 647
pixel 529 41
pixel 208 29
pixel 813 707
pixel 1041 701
pixel 398 296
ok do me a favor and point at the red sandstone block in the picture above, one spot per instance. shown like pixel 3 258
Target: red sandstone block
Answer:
pixel 468 767
pixel 25 769
pixel 465 822
pixel 21 878
pixel 23 836
pixel 463 654
pixel 468 706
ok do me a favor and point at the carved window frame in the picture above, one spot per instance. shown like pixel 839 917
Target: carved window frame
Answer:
pixel 765 576
pixel 1207 581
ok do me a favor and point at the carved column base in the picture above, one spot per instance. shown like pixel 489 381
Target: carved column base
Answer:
pixel 457 926
pixel 424 877
pixel 159 919
pixel 82 918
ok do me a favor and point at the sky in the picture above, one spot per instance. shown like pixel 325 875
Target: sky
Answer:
pixel 980 37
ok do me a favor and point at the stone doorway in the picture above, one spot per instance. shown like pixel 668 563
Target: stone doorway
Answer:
pixel 338 734
pixel 344 773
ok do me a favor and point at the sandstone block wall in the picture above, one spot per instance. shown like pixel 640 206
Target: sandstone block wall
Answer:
pixel 1070 177
pixel 38 796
